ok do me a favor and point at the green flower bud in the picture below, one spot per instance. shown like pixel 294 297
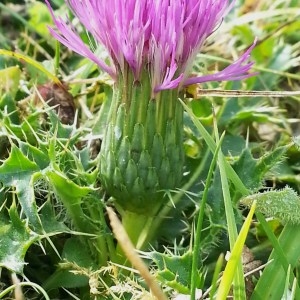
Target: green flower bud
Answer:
pixel 142 150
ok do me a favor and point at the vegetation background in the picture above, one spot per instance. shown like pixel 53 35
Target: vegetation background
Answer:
pixel 241 145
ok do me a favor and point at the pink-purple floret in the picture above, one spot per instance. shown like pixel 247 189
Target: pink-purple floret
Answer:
pixel 163 36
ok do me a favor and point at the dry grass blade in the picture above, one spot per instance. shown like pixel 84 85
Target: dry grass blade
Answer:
pixel 132 256
pixel 18 290
pixel 237 93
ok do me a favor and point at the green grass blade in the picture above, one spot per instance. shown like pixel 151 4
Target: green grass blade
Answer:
pixel 217 271
pixel 283 255
pixel 286 285
pixel 199 228
pixel 226 173
pixel 239 283
pixel 32 62
pixel 231 174
pixel 234 260
pixel 272 282
pixel 57 58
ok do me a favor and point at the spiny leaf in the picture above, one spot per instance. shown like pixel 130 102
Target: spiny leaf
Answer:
pixel 71 196
pixel 49 220
pixel 17 171
pixel 15 239
pixel 36 155
pixel 174 270
pixel 252 171
pixel 66 188
pixel 9 108
pixel 16 168
pixel 283 204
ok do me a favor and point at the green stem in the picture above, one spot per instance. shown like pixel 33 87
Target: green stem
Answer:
pixel 138 228
pixel 21 284
pixel 57 58
pixel 108 237
pixel 134 224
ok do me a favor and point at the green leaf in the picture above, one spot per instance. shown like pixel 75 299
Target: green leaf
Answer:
pixel 73 253
pixel 272 282
pixel 282 204
pixel 8 104
pixel 174 270
pixel 252 171
pixel 15 239
pixel 61 131
pixel 49 220
pixel 233 145
pixel 39 18
pixel 74 259
pixel 66 188
pixel 16 168
pixel 17 171
pixel 37 155
pixel 9 80
pixel 281 60
pixel 71 196
pixel 100 124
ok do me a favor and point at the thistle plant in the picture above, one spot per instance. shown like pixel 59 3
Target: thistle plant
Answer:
pixel 151 46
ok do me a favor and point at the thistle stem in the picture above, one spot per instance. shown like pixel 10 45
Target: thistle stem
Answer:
pixel 135 224
pixel 138 228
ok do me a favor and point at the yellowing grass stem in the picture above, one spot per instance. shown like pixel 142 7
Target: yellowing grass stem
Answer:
pixel 235 258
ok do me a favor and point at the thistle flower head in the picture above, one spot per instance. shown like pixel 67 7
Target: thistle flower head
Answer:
pixel 159 36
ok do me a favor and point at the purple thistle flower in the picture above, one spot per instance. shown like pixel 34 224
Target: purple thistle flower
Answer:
pixel 161 36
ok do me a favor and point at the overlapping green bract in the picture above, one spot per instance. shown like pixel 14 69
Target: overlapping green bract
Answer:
pixel 142 150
